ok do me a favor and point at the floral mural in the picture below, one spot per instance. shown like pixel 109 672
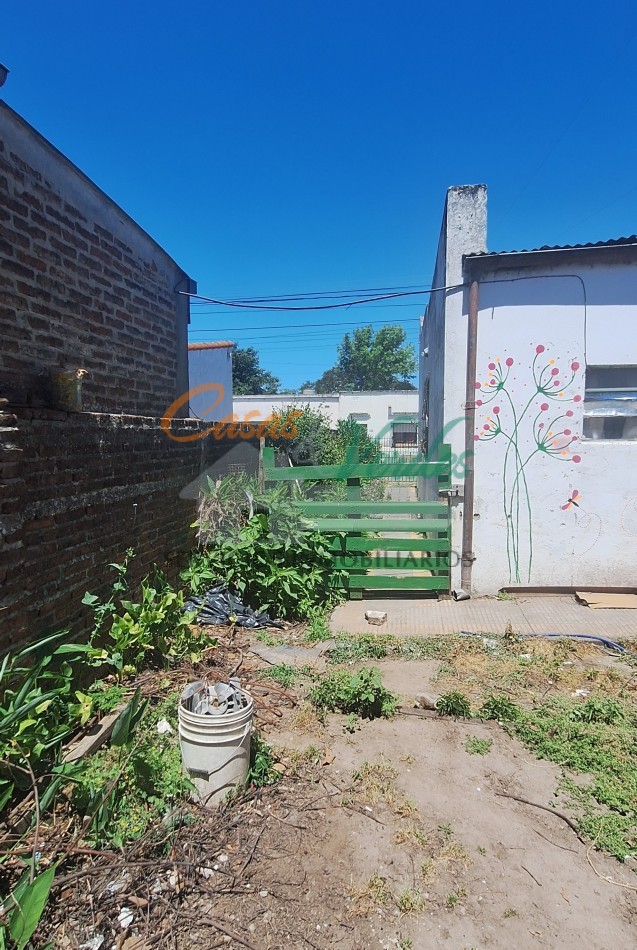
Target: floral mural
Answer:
pixel 540 428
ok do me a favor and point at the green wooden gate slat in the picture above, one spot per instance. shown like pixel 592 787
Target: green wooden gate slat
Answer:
pixel 340 545
pixel 386 582
pixel 351 562
pixel 387 524
pixel 323 508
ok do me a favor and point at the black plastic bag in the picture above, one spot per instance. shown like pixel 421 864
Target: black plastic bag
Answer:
pixel 220 606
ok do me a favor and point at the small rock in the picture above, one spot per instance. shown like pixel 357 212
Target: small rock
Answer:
pixel 425 701
pixel 376 616
pixel 631 860
pixel 263 893
pixel 280 768
pixel 164 727
pixel 580 693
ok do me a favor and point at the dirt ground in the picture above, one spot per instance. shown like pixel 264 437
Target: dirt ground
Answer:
pixel 390 836
pixel 519 875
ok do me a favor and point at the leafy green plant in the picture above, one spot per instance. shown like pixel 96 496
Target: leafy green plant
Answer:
pixel 25 906
pixel 125 787
pixel 152 631
pixel 262 761
pixel 453 704
pixel 475 746
pixel 498 707
pixel 361 693
pixel 275 560
pixel 37 711
pixel 318 626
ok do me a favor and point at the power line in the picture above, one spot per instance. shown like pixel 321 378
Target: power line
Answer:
pixel 305 326
pixel 306 295
pixel 327 306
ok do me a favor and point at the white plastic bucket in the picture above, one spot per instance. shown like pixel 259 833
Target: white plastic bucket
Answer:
pixel 216 750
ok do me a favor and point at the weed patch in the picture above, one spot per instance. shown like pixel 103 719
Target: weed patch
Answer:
pixel 281 673
pixel 475 746
pixel 361 693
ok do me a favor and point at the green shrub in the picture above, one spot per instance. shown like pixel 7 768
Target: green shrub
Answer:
pixel 453 704
pixel 361 693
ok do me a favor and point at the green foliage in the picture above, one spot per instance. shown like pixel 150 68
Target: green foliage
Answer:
pixel 594 738
pixel 475 746
pixel 274 560
pixel 262 761
pixel 138 778
pixel 28 901
pixel 281 673
pixel 106 697
pixel 371 359
pixel 248 378
pixel 318 626
pixel 152 631
pixel 453 704
pixel 37 711
pixel 498 707
pixel 362 693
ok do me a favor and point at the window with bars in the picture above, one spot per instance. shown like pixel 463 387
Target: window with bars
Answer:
pixel 404 434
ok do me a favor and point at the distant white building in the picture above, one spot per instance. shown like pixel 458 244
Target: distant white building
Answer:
pixel 210 380
pixel 390 416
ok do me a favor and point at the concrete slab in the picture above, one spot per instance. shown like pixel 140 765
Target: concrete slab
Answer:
pixel 531 613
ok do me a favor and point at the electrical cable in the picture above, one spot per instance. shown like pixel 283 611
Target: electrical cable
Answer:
pixel 328 306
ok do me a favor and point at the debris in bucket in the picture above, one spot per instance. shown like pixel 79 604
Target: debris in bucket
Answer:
pixel 220 699
pixel 220 606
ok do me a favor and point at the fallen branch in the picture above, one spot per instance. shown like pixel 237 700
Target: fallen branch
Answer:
pixel 551 811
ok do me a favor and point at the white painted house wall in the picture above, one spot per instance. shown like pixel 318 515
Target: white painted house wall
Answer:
pixel 376 410
pixel 578 308
pixel 525 530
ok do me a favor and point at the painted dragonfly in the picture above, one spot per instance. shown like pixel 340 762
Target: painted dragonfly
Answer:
pixel 572 501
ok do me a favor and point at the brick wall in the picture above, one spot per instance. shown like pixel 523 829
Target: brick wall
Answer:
pixel 78 489
pixel 82 286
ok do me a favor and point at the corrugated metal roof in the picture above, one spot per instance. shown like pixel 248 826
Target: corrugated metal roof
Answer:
pixel 217 345
pixel 611 242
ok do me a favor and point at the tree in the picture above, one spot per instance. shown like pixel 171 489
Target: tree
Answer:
pixel 248 379
pixel 371 360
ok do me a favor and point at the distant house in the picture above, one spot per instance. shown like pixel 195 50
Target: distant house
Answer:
pixel 528 368
pixel 210 374
pixel 391 416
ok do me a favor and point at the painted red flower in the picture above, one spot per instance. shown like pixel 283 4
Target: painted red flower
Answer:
pixel 544 406
pixel 510 361
pixel 496 409
pixel 575 367
pixel 540 348
pixel 576 459
pixel 491 365
pixel 569 413
pixel 554 371
pixel 577 398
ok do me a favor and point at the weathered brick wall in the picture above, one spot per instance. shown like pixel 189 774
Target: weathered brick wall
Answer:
pixel 82 286
pixel 78 489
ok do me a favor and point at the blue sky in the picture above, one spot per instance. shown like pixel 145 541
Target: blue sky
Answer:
pixel 294 147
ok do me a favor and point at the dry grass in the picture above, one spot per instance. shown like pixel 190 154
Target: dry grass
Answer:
pixel 412 832
pixel 376 782
pixel 527 669
pixel 446 856
pixel 374 893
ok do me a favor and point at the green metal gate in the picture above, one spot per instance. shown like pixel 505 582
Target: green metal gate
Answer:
pixel 420 561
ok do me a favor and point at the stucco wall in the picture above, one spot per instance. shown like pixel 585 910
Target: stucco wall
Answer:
pixel 443 340
pixel 537 333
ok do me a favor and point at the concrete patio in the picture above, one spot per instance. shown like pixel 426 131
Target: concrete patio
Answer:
pixel 530 613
